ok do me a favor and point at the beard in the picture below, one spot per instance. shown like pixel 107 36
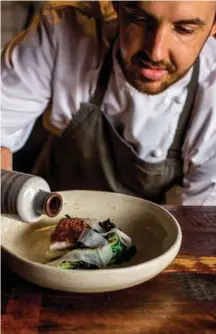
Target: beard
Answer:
pixel 148 86
pixel 131 68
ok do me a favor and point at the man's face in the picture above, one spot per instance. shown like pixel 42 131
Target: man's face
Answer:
pixel 160 40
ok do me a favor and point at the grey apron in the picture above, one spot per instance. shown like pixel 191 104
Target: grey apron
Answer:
pixel 92 154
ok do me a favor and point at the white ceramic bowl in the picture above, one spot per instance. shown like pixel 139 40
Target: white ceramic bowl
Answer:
pixel 154 231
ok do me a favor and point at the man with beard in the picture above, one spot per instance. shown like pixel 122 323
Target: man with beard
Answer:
pixel 130 102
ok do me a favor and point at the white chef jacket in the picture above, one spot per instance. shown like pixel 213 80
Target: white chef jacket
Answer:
pixel 59 59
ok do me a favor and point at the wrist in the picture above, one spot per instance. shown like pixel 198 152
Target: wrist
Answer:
pixel 6 158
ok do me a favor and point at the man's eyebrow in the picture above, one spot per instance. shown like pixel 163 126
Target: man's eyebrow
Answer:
pixel 196 21
pixel 133 7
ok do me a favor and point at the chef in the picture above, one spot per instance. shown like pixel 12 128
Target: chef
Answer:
pixel 130 103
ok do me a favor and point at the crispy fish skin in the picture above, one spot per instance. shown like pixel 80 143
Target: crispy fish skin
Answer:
pixel 67 233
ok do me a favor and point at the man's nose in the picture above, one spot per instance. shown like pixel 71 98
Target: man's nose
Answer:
pixel 158 44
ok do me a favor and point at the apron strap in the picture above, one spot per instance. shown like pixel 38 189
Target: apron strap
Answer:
pixel 103 79
pixel 187 112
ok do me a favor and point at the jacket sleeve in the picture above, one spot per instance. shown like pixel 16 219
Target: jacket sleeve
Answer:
pixel 26 77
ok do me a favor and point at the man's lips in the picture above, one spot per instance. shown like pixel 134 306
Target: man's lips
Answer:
pixel 152 74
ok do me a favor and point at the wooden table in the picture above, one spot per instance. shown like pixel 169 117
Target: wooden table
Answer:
pixel 182 299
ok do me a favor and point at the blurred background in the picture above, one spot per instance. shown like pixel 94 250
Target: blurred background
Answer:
pixel 16 16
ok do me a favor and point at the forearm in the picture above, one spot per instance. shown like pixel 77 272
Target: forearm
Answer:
pixel 6 158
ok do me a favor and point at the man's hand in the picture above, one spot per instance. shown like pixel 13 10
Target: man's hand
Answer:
pixel 6 158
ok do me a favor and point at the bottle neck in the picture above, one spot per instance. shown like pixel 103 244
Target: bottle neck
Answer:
pixel 48 203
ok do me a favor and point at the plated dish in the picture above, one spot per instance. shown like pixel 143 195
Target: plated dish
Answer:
pixel 155 233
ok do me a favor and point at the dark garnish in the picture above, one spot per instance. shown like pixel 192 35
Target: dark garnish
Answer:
pixel 127 254
pixel 107 225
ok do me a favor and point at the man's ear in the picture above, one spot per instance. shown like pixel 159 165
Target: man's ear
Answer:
pixel 213 29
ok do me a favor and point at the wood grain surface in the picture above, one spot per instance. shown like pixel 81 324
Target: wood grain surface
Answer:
pixel 182 299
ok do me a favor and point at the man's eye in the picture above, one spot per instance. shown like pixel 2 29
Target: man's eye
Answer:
pixel 136 18
pixel 140 19
pixel 184 31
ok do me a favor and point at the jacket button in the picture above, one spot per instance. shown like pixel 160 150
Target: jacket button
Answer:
pixel 156 153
